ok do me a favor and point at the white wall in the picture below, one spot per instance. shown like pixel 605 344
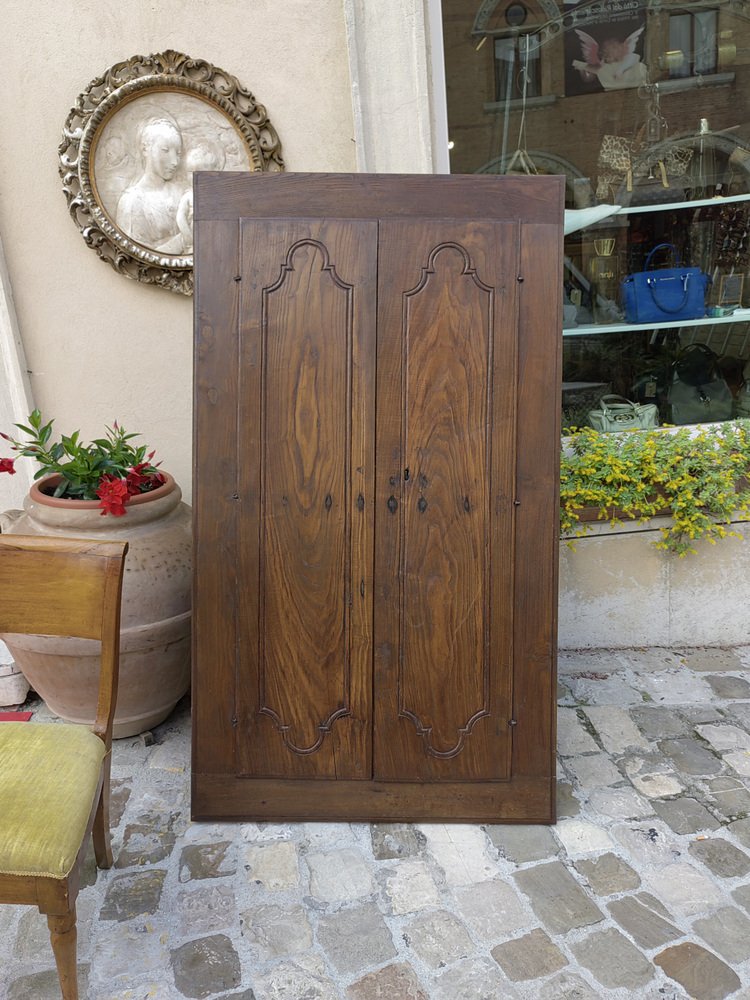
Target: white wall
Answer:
pixel 398 85
pixel 15 397
pixel 99 346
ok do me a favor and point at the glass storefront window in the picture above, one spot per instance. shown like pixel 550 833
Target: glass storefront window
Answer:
pixel 645 108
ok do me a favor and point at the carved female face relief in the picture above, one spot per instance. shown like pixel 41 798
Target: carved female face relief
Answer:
pixel 129 150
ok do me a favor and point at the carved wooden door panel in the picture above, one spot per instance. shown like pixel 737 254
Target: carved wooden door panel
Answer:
pixel 445 484
pixel 306 429
pixel 376 468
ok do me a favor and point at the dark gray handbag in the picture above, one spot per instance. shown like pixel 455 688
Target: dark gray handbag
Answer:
pixel 698 393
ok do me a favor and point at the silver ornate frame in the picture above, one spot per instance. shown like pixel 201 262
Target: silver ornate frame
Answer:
pixel 166 72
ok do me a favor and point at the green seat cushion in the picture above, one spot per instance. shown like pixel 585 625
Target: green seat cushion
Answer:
pixel 48 778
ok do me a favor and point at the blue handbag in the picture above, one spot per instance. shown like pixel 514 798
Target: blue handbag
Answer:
pixel 666 294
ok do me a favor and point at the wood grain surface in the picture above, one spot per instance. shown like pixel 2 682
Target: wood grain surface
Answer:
pixel 377 433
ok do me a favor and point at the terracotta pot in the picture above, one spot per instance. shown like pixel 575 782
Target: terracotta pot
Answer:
pixel 156 608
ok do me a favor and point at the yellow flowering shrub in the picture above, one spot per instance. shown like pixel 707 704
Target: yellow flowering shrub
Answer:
pixel 697 475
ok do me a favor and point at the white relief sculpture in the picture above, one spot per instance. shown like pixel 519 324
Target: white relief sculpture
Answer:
pixel 130 146
pixel 201 157
pixel 144 162
pixel 147 210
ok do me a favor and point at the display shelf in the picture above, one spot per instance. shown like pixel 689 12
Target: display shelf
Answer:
pixel 627 363
pixel 738 316
pixel 671 206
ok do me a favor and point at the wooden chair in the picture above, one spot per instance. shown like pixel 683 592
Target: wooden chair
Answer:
pixel 54 778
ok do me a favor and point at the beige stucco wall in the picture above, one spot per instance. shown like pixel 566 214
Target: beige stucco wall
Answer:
pixel 101 347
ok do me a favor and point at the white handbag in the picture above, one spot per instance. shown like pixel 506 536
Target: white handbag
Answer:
pixel 615 413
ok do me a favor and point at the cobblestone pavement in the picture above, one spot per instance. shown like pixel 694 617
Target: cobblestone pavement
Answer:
pixel 641 890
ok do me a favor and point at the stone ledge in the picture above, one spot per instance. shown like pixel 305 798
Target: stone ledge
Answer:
pixel 13 685
pixel 618 591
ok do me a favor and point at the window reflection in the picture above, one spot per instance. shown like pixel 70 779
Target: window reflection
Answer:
pixel 642 107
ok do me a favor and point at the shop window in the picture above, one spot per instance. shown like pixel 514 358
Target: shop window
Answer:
pixel 645 108
pixel 692 43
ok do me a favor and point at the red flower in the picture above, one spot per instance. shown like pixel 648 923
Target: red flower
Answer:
pixel 113 494
pixel 137 482
pixel 6 465
pixel 135 478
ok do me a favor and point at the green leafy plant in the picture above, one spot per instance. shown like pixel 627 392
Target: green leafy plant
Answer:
pixel 697 476
pixel 110 469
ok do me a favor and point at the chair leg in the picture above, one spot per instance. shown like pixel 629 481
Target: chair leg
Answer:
pixel 100 831
pixel 63 934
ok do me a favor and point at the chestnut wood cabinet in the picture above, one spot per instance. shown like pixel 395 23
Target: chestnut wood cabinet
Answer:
pixel 377 409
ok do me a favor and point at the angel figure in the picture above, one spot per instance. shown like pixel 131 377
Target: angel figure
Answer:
pixel 615 65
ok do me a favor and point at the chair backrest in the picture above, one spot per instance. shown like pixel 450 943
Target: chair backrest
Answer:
pixel 67 587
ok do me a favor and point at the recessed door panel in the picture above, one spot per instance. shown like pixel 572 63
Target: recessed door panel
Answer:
pixel 306 454
pixel 446 389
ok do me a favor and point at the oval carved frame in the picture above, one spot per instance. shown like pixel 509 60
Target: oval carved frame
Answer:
pixel 163 78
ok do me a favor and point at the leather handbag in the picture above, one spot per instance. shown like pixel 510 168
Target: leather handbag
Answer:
pixel 698 392
pixel 666 294
pixel 615 413
pixel 699 404
pixel 742 402
pixel 696 364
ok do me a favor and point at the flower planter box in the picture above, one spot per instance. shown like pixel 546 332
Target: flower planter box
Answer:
pixel 617 590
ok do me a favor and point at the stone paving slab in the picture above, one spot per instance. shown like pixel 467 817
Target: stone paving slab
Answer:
pixel 642 889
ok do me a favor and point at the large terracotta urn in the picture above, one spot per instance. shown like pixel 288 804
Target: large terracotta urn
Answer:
pixel 156 608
